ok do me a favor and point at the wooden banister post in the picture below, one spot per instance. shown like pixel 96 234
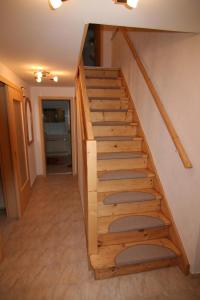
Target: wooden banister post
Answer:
pixel 89 165
pixel 92 195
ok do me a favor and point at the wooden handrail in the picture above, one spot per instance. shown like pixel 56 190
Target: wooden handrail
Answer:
pixel 181 151
pixel 88 123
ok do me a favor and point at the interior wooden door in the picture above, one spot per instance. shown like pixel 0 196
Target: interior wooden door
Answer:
pixel 18 147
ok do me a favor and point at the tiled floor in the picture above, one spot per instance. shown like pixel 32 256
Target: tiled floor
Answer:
pixel 45 256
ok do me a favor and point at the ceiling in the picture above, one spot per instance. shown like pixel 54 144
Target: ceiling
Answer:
pixel 33 37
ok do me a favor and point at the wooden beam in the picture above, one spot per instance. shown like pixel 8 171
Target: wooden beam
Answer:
pixel 92 195
pixel 179 146
pixel 87 118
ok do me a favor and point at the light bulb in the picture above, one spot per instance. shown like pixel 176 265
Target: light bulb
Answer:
pixel 55 78
pixel 39 74
pixel 132 3
pixel 55 3
pixel 38 79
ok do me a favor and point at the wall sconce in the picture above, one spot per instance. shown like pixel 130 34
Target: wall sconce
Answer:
pixel 39 75
pixel 54 4
pixel 130 3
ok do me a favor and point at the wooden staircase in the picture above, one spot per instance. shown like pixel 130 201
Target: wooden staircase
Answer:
pixel 135 230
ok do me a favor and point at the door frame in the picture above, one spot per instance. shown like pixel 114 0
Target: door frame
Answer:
pixel 73 131
pixel 22 192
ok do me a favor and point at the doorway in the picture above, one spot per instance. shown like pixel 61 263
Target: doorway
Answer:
pixel 14 174
pixel 92 46
pixel 57 136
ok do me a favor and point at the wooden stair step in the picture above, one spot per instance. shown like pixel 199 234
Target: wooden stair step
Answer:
pixel 130 180
pixel 106 99
pixel 131 223
pixel 110 110
pixel 114 138
pixel 103 83
pixel 132 228
pixel 111 115
pixel 131 197
pixel 139 207
pixel 133 202
pixel 124 174
pixel 142 254
pixel 106 93
pixel 120 155
pixel 118 143
pixel 134 257
pixel 113 123
pixel 114 129
pixel 105 104
pixel 121 160
pixel 101 73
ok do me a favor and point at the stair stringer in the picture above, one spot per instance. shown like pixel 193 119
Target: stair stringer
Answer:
pixel 173 231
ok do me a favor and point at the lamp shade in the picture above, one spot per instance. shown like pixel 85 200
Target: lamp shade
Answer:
pixel 132 3
pixel 55 3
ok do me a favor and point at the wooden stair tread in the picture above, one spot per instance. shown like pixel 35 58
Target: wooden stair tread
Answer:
pixel 114 123
pixel 103 87
pixel 103 83
pixel 124 174
pixel 102 98
pixel 105 73
pixel 110 256
pixel 117 138
pixel 130 222
pixel 130 197
pixel 101 68
pixel 110 110
pixel 119 155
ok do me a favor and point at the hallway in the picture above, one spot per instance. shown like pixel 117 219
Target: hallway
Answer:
pixel 46 258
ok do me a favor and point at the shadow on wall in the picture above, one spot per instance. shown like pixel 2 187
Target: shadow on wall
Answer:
pixel 197 257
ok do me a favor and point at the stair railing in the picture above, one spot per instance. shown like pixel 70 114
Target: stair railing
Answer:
pixel 87 161
pixel 176 140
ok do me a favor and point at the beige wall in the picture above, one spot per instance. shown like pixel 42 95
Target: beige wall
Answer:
pixel 106 48
pixel 6 73
pixel 173 63
pixel 37 92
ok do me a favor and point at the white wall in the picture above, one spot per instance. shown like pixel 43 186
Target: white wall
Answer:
pixel 173 62
pixel 6 73
pixel 37 92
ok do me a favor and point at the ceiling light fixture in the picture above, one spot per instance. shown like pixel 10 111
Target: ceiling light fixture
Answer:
pixel 55 78
pixel 132 3
pixel 38 79
pixel 39 75
pixel 54 4
pixel 129 3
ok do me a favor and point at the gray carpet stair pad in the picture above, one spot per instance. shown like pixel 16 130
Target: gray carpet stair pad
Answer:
pixel 128 197
pixel 121 174
pixel 119 155
pixel 142 254
pixel 132 223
